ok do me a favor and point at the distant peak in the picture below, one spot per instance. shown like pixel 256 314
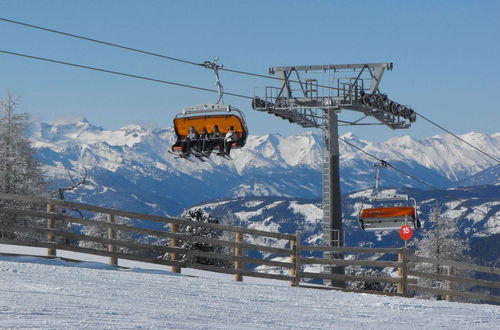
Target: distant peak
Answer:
pixel 68 120
pixel 402 139
pixel 349 136
pixel 132 127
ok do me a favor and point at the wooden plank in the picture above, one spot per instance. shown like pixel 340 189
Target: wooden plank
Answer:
pixel 489 284
pixel 344 262
pixel 246 246
pixel 174 243
pixel 239 271
pixel 135 215
pixel 455 293
pixel 96 223
pixel 459 265
pixel 100 240
pixel 403 273
pixel 50 225
pixel 102 253
pixel 352 249
pixel 350 277
pixel 163 234
pixel 112 236
pixel 238 253
pixel 298 265
pixel 241 259
pixel 149 247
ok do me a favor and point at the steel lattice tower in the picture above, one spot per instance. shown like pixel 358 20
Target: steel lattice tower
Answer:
pixel 303 101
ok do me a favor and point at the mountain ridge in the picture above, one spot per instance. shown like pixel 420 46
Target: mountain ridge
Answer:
pixel 271 165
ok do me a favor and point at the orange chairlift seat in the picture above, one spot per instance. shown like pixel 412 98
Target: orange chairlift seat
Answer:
pixel 207 116
pixel 391 215
pixel 388 218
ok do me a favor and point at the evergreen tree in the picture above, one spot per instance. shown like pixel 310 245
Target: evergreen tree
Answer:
pixel 442 242
pixel 20 172
pixel 199 216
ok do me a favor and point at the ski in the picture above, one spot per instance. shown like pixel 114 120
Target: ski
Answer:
pixel 198 154
pixel 223 155
pixel 183 156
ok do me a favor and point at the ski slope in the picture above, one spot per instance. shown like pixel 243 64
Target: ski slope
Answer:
pixel 57 294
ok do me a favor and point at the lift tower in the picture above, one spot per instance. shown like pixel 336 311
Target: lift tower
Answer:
pixel 302 100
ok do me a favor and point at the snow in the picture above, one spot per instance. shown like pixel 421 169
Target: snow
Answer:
pixel 312 213
pixel 455 214
pixel 244 216
pixel 361 194
pixel 265 225
pixel 57 294
pixel 253 203
pixel 212 206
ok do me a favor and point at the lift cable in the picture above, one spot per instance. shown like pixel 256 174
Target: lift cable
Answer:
pixel 143 51
pixel 122 74
pixel 100 41
pixel 232 94
pixel 224 69
pixel 441 191
pixel 458 137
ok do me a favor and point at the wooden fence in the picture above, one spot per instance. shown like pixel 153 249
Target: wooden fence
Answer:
pixel 241 251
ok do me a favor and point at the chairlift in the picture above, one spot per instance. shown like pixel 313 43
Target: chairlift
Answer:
pixel 208 116
pixel 392 211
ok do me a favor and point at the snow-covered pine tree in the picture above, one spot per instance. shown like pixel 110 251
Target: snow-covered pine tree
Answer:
pixel 199 216
pixel 20 172
pixel 441 241
pixel 369 286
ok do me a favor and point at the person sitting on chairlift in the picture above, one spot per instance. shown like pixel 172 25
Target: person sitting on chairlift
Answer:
pixel 231 136
pixel 217 139
pixel 204 143
pixel 190 141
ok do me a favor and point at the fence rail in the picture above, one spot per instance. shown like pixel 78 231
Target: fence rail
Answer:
pixel 292 261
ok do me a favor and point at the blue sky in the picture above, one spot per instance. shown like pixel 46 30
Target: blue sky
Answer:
pixel 445 54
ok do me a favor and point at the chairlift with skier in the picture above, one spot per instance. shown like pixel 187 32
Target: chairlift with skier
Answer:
pixel 209 116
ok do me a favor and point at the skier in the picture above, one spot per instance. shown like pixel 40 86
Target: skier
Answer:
pixel 204 142
pixel 231 136
pixel 217 139
pixel 190 141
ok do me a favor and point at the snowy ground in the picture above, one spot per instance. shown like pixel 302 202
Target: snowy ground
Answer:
pixel 42 293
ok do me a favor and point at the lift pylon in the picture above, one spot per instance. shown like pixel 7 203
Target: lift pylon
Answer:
pixel 302 100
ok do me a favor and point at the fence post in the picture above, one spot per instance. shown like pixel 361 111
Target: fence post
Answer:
pixel 402 273
pixel 449 284
pixel 237 252
pixel 293 259
pixel 174 242
pixel 51 252
pixel 298 265
pixel 113 261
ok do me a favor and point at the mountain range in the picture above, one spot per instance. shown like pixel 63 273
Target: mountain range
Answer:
pixel 132 168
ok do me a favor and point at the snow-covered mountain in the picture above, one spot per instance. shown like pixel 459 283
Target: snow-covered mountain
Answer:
pixel 131 167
